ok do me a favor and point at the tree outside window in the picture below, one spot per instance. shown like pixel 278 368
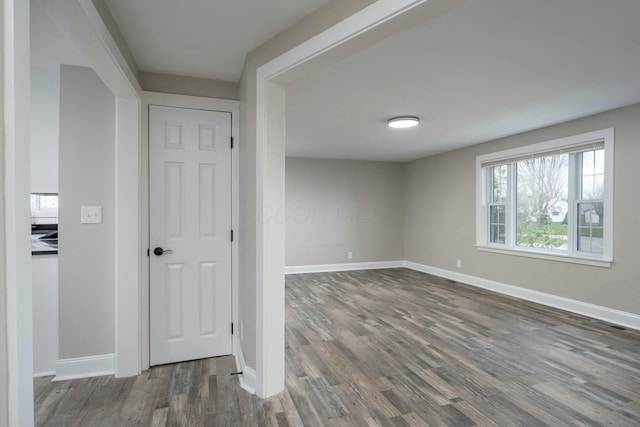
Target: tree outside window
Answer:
pixel 542 187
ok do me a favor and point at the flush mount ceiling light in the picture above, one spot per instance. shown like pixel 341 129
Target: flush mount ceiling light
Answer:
pixel 403 122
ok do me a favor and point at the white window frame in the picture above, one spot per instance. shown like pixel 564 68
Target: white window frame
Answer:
pixel 572 256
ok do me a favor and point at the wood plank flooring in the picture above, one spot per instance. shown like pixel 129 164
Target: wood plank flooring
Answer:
pixel 388 348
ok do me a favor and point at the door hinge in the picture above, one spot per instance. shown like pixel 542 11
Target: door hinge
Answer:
pixel 232 235
pixel 231 328
pixel 148 253
pixel 232 143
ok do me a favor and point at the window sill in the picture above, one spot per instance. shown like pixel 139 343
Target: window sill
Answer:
pixel 573 259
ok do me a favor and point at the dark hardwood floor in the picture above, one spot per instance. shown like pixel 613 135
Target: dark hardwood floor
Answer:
pixel 390 348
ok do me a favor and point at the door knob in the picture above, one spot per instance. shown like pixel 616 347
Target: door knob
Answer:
pixel 159 251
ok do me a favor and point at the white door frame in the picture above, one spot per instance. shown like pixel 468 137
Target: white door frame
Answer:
pixel 270 104
pixel 198 103
pixel 15 283
pixel 80 22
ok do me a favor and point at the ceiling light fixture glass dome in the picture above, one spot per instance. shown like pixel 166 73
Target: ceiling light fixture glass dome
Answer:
pixel 403 122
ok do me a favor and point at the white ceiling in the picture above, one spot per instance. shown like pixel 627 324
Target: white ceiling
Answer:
pixel 483 70
pixel 202 38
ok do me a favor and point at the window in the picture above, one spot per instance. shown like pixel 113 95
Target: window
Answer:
pixel 44 202
pixel 497 204
pixel 551 200
pixel 44 209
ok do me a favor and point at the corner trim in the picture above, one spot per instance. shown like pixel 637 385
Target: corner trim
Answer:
pixel 322 268
pixel 618 317
pixel 248 376
pixel 85 367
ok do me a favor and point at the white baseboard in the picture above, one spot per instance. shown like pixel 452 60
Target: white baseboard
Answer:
pixel 238 353
pixel 248 379
pixel 43 374
pixel 323 268
pixel 85 367
pixel 610 315
pixel 248 376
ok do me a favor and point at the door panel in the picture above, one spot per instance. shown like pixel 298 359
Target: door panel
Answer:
pixel 190 219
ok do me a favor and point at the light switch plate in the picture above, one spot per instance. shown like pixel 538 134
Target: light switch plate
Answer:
pixel 91 214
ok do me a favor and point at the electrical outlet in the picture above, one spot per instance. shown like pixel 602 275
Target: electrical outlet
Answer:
pixel 349 255
pixel 459 263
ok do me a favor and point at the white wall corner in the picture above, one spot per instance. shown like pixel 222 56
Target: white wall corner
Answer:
pixel 323 268
pixel 617 317
pixel 248 376
pixel 129 254
pixel 85 367
pixel 17 374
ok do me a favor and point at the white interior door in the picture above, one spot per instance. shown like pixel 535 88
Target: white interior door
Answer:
pixel 190 220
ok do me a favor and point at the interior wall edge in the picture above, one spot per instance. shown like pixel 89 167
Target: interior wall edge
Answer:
pixel 4 389
pixel 18 402
pixel 114 31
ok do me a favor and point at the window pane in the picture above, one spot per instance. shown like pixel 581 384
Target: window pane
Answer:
pixel 598 187
pixel 588 163
pixel 542 202
pixel 48 202
pixel 592 179
pixel 498 184
pixel 497 224
pixel 599 166
pixel 587 187
pixel 590 227
pixel 44 202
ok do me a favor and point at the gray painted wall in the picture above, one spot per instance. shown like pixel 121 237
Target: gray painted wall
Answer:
pixel 338 206
pixel 440 210
pixel 181 85
pixel 45 105
pixel 87 177
pixel 45 313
